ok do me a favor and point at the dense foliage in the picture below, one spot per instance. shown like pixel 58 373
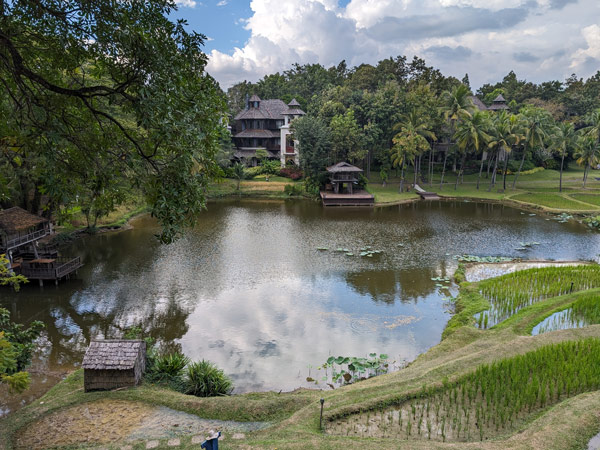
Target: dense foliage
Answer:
pixel 359 114
pixel 100 98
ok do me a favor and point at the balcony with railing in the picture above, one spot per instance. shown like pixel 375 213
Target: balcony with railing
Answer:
pixel 50 269
pixel 12 241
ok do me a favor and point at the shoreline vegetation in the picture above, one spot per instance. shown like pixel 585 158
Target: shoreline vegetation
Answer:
pixel 536 192
pixel 568 421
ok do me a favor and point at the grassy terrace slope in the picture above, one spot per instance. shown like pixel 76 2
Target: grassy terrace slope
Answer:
pixel 295 416
pixel 537 190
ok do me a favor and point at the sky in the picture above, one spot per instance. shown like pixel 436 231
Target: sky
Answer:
pixel 540 40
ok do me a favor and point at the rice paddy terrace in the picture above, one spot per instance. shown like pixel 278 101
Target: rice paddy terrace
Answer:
pixel 487 380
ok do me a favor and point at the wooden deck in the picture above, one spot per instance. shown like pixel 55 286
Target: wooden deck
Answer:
pixel 50 269
pixel 360 199
pixel 426 195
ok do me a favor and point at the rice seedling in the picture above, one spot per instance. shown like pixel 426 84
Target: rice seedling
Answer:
pixel 493 398
pixel 509 293
pixel 583 312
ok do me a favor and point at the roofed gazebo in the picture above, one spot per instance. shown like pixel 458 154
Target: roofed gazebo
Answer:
pixel 19 227
pixel 343 173
pixel 498 104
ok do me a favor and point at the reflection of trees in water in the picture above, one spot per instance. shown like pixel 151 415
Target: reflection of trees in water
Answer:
pixel 71 324
pixel 390 285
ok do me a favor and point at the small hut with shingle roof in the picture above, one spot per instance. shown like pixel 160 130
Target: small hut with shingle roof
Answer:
pixel 113 363
pixel 19 227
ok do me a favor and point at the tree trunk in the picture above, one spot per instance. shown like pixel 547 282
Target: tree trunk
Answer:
pixel 481 170
pixel 444 168
pixel 493 180
pixel 520 167
pixel 432 162
pixel 401 180
pixel 462 164
pixel 585 174
pixel 415 163
pixel 562 160
pixel 489 160
pixel 505 169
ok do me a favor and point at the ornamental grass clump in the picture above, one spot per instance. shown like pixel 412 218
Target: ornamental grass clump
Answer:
pixel 511 292
pixel 493 398
pixel 204 379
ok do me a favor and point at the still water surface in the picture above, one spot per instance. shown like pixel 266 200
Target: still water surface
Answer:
pixel 248 289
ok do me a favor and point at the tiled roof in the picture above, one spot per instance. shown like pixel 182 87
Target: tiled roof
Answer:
pixel 343 167
pixel 113 354
pixel 17 219
pixel 268 109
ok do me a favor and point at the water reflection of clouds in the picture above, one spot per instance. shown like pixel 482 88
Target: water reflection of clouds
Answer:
pixel 270 334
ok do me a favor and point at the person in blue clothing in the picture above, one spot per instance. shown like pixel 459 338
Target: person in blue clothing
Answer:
pixel 212 441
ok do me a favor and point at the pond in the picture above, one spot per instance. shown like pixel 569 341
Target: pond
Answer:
pixel 250 290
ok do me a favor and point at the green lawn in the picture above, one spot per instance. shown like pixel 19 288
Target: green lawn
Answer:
pixel 587 198
pixel 554 201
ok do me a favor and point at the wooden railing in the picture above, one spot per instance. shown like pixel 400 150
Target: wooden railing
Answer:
pixel 62 267
pixel 21 240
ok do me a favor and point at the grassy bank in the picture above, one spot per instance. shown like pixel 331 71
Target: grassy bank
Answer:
pixel 539 190
pixel 256 188
pixel 294 417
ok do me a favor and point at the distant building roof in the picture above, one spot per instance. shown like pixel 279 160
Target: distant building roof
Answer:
pixel 478 103
pixel 17 219
pixel 270 109
pixel 113 354
pixel 498 103
pixel 343 167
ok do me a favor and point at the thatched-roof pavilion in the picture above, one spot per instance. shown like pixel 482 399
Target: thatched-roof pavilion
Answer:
pixel 114 363
pixel 498 104
pixel 19 227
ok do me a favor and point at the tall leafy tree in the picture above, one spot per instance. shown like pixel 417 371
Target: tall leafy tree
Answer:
pixel 414 123
pixel 563 139
pixel 408 144
pixel 587 154
pixel 505 134
pixel 314 139
pixel 346 138
pixel 455 105
pixel 534 124
pixel 472 134
pixel 128 76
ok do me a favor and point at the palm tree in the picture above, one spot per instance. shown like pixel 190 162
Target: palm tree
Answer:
pixel 563 139
pixel 472 134
pixel 534 136
pixel 587 154
pixel 456 105
pixel 238 173
pixel 407 145
pixel 594 128
pixel 414 123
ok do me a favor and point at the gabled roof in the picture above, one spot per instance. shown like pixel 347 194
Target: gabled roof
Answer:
pixel 500 98
pixel 255 98
pixel 268 109
pixel 343 167
pixel 478 103
pixel 293 103
pixel 113 354
pixel 17 219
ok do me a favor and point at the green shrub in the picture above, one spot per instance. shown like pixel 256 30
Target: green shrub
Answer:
pixel 251 172
pixel 166 369
pixel 293 189
pixel 271 167
pixel 204 379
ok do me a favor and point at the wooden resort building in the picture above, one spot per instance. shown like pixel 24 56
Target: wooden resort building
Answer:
pixel 112 364
pixel 343 179
pixel 265 124
pixel 20 234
